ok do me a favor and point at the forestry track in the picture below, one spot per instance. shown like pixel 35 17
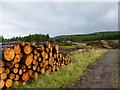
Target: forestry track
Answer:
pixel 101 75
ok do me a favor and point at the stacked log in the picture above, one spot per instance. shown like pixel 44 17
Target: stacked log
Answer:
pixel 27 60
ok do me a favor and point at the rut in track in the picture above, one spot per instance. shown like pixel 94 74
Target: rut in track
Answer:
pixel 101 76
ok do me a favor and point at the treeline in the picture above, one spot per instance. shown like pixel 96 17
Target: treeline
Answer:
pixel 113 35
pixel 33 37
pixel 90 37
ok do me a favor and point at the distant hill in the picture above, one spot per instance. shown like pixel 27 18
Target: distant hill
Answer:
pixel 111 35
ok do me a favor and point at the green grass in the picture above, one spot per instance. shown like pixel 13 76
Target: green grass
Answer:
pixel 69 73
pixel 76 45
pixel 115 41
pixel 115 72
pixel 68 47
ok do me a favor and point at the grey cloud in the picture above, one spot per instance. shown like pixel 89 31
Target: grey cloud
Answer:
pixel 57 18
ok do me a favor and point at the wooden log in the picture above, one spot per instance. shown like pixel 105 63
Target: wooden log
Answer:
pixel 20 54
pixel 46 67
pixel 25 76
pixel 3 76
pixel 17 49
pixel 34 67
pixel 50 54
pixel 35 51
pixel 7 70
pixel 8 83
pixel 16 65
pixel 23 83
pixel 24 68
pixel 57 47
pixel 15 70
pixel 34 61
pixel 35 75
pixel 17 58
pixel 9 64
pixel 39 59
pixel 43 70
pixel 29 44
pixel 20 71
pixel 42 47
pixel 23 43
pixel 53 68
pixel 51 49
pixel 46 63
pixel 43 54
pixel 2 69
pixel 28 49
pixel 2 83
pixel 44 60
pixel 46 56
pixel 48 44
pixel 29 66
pixel 38 54
pixel 12 76
pixel 17 77
pixel 41 64
pixel 47 50
pixel 55 55
pixel 2 63
pixel 35 57
pixel 30 72
pixel 27 59
pixel 9 54
pixel 16 83
pixel 38 69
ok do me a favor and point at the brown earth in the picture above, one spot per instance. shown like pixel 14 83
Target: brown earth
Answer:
pixel 101 75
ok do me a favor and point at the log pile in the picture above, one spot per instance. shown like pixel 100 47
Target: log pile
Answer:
pixel 27 60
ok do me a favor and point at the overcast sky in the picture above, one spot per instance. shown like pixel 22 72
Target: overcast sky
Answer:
pixel 60 18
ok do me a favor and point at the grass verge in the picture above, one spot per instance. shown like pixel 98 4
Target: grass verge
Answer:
pixel 115 72
pixel 69 73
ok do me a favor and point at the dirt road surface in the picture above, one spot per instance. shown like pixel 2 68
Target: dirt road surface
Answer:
pixel 101 75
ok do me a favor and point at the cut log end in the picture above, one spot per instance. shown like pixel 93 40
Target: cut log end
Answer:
pixel 17 49
pixel 2 83
pixel 29 60
pixel 25 76
pixel 8 83
pixel 28 49
pixel 9 54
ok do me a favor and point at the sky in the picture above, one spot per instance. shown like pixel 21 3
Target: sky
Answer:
pixel 57 18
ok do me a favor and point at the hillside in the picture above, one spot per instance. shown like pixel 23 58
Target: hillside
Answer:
pixel 113 35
